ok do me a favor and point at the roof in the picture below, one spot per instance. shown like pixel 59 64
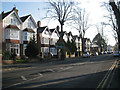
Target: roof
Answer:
pixel 64 32
pixel 24 18
pixel 29 30
pixel 86 39
pixel 70 33
pixel 75 36
pixel 52 30
pixel 12 27
pixel 5 14
pixel 41 29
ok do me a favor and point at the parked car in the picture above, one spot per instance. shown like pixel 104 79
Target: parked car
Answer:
pixel 109 52
pixel 86 54
pixel 94 54
pixel 116 53
pixel 104 52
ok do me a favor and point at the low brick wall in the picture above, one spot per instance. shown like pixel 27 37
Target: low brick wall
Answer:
pixel 7 61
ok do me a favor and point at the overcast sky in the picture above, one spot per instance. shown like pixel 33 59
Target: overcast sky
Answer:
pixel 93 7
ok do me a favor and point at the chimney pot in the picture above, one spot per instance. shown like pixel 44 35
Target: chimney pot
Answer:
pixel 39 24
pixel 2 13
pixel 58 28
pixel 14 9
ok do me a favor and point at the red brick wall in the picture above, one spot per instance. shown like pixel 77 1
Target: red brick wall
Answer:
pixel 12 41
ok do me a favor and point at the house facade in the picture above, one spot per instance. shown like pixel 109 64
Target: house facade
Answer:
pixel 43 39
pixel 70 36
pixel 11 31
pixel 16 31
pixel 54 37
pixel 78 42
pixel 28 29
pixel 87 44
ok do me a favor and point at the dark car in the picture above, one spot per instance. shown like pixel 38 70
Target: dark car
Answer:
pixel 116 53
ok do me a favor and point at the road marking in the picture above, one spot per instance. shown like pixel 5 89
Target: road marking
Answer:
pixel 23 78
pixel 24 82
pixel 51 70
pixel 50 83
pixel 77 64
pixel 66 68
pixel 40 74
pixel 13 69
pixel 104 80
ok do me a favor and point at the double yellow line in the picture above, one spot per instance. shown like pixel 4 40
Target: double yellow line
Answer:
pixel 105 79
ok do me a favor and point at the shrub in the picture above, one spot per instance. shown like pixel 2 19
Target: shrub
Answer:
pixel 6 55
pixel 32 50
pixel 13 56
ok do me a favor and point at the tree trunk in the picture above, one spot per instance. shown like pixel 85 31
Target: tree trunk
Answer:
pixel 117 16
pixel 62 41
pixel 83 45
pixel 119 41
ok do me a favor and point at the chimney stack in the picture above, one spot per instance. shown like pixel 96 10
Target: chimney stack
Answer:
pixel 39 24
pixel 2 13
pixel 58 28
pixel 14 9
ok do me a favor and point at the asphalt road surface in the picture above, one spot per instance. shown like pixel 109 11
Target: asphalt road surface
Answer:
pixel 75 73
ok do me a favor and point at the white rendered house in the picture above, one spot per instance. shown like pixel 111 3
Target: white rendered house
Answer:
pixel 11 31
pixel 43 39
pixel 53 40
pixel 28 29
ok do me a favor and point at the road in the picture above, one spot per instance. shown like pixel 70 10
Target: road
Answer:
pixel 75 73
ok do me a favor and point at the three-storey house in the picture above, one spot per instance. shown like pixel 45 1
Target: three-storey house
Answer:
pixel 53 40
pixel 29 29
pixel 11 31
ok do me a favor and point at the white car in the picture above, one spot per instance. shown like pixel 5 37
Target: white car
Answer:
pixel 86 54
pixel 116 54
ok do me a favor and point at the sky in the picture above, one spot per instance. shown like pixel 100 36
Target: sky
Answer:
pixel 93 8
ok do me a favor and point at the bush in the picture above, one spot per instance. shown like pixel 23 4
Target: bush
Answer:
pixel 6 55
pixel 13 56
pixel 39 58
pixel 32 50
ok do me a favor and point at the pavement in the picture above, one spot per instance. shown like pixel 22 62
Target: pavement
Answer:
pixel 9 67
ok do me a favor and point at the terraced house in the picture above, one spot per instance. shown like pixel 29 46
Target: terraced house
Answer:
pixel 17 31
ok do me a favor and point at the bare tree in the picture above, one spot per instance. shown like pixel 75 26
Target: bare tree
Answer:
pixel 80 22
pixel 62 11
pixel 116 11
pixel 111 20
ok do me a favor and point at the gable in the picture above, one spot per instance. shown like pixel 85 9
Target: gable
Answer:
pixel 14 15
pixel 30 19
pixel 29 22
pixel 55 34
pixel 46 32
